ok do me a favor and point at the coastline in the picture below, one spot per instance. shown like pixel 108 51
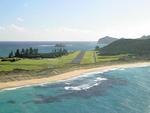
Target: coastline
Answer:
pixel 66 76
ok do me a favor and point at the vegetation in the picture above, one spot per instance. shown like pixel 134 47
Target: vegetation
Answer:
pixel 135 47
pixel 9 59
pixel 97 48
pixel 37 64
pixel 25 68
pixel 33 53
pixel 88 57
pixel 92 57
pixel 110 58
pixel 106 40
pixel 145 37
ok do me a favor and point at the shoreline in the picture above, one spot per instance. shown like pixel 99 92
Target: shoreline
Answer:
pixel 65 76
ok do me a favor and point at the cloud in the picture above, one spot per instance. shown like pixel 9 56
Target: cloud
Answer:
pixel 70 30
pixel 68 33
pixel 14 27
pixel 2 28
pixel 18 32
pixel 20 19
pixel 77 30
pixel 47 30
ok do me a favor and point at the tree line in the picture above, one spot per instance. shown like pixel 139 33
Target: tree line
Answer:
pixel 34 53
pixel 23 52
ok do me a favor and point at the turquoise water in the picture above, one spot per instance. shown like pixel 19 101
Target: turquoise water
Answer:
pixel 114 91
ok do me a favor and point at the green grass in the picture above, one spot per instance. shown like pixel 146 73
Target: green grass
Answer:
pixel 109 58
pixel 88 57
pixel 38 64
pixel 23 67
pixel 53 63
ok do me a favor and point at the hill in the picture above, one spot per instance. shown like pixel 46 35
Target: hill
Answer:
pixel 145 37
pixel 106 40
pixel 127 46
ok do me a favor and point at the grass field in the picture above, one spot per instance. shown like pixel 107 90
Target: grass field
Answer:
pixel 38 64
pixel 88 57
pixel 109 58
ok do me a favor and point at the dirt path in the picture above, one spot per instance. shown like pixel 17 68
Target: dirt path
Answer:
pixel 94 57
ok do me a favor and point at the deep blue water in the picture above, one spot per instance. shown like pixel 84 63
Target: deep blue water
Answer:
pixel 47 46
pixel 114 91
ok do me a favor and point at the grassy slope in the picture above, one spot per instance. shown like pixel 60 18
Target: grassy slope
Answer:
pixel 36 64
pixel 109 58
pixel 127 46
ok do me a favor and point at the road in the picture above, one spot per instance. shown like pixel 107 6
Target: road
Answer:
pixel 78 58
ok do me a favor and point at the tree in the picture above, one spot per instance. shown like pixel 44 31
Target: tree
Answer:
pixel 30 51
pixel 17 54
pixel 97 48
pixel 27 52
pixel 22 52
pixel 35 51
pixel 10 54
pixel 65 52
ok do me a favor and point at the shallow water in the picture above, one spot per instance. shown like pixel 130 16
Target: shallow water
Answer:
pixel 115 91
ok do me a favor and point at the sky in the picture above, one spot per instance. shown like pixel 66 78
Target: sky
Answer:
pixel 73 20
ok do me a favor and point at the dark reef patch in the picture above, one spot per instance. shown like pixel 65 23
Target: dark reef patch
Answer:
pixel 11 102
pixel 99 90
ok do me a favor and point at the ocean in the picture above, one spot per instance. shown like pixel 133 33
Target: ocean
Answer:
pixel 44 46
pixel 122 90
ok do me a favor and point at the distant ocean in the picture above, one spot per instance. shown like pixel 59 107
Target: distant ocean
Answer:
pixel 115 91
pixel 44 46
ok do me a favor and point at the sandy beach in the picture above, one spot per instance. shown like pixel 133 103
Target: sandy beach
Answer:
pixel 68 75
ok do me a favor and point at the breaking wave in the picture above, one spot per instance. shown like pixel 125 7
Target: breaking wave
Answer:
pixel 91 84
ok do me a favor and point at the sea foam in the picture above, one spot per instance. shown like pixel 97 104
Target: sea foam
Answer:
pixel 95 82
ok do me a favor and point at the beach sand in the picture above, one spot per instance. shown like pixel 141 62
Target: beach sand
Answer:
pixel 67 75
